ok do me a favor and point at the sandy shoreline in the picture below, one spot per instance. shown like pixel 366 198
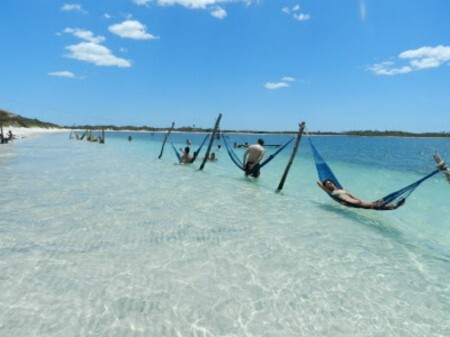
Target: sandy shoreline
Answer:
pixel 20 132
pixel 27 132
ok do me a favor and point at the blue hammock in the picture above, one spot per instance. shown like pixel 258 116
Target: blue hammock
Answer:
pixel 391 201
pixel 238 162
pixel 196 153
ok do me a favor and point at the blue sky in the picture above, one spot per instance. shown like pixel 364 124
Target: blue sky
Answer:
pixel 265 65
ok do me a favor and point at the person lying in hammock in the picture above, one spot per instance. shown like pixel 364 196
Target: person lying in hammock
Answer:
pixel 348 199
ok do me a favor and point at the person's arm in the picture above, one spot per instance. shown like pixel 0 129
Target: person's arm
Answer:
pixel 245 156
pixel 322 187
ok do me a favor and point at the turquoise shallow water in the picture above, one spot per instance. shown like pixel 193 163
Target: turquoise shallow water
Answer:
pixel 107 240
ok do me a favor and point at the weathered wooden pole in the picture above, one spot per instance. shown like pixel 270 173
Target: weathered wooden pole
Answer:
pixel 293 154
pixel 102 139
pixel 211 141
pixel 165 140
pixel 442 166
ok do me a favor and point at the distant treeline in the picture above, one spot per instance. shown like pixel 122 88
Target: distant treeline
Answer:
pixel 10 119
pixel 365 133
pixel 375 133
pixel 156 129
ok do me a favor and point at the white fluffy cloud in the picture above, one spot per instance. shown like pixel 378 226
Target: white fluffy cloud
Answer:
pixel 141 2
pixel 131 29
pixel 219 13
pixel 92 50
pixel 275 85
pixel 84 35
pixel 73 8
pixel 301 17
pixel 215 7
pixel 427 57
pixel 97 54
pixel 418 59
pixel 64 73
pixel 288 79
pixel 387 68
pixel 197 4
pixel 284 83
pixel 295 12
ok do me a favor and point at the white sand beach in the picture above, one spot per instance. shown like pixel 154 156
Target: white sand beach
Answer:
pixel 28 132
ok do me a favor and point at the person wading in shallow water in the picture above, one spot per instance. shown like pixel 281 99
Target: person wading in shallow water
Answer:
pixel 4 139
pixel 252 157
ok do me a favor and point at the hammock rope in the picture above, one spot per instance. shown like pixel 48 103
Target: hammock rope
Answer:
pixel 176 152
pixel 196 153
pixel 238 162
pixel 234 158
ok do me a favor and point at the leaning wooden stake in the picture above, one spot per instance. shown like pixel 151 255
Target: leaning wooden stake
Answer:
pixel 293 154
pixel 211 141
pixel 165 140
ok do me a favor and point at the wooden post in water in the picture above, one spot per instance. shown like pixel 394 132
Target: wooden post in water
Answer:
pixel 2 140
pixel 291 159
pixel 102 140
pixel 442 166
pixel 211 141
pixel 165 139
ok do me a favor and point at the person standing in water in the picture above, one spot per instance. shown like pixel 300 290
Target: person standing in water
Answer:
pixel 252 157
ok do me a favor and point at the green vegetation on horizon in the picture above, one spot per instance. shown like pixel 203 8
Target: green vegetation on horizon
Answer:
pixel 189 129
pixel 13 120
pixel 387 133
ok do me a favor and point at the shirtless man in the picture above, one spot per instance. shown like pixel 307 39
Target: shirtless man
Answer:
pixel 252 157
pixel 186 158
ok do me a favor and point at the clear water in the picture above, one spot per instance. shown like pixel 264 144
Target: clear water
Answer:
pixel 107 240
